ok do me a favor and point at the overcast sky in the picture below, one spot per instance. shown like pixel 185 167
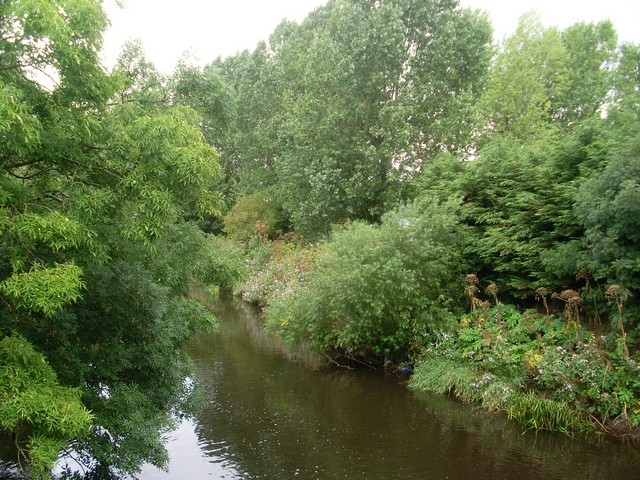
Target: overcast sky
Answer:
pixel 212 28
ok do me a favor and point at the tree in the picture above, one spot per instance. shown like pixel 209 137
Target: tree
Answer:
pixel 366 101
pixel 608 205
pixel 206 92
pixel 97 175
pixel 447 52
pixel 591 58
pixel 527 79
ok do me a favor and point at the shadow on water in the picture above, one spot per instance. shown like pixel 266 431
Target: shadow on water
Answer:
pixel 268 417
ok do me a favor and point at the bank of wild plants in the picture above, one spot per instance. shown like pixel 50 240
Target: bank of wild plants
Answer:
pixel 391 295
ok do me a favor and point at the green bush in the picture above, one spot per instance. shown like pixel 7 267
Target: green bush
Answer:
pixel 372 290
pixel 544 373
pixel 275 269
pixel 225 266
pixel 257 214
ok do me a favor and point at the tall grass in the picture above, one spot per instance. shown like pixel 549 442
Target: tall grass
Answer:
pixel 541 413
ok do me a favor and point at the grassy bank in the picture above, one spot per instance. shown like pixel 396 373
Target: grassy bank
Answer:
pixel 545 372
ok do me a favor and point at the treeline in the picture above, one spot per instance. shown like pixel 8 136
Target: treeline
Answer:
pixel 367 106
pixel 381 178
pixel 418 181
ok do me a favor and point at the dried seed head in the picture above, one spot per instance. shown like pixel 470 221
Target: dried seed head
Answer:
pixel 613 290
pixel 471 279
pixel 583 274
pixel 541 292
pixel 567 296
pixel 472 290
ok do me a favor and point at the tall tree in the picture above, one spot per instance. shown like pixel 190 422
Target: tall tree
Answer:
pixel 592 51
pixel 526 81
pixel 361 94
pixel 96 256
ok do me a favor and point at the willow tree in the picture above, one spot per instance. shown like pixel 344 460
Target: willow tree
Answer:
pixel 95 253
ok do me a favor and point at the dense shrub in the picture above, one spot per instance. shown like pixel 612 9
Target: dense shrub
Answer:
pixel 257 214
pixel 225 265
pixel 374 290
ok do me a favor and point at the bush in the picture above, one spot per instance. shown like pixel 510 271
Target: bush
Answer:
pixel 372 290
pixel 253 215
pixel 225 265
pixel 544 373
pixel 275 269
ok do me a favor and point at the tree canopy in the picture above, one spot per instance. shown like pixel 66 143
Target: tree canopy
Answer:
pixel 97 179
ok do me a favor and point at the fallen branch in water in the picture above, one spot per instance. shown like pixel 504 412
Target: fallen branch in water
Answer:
pixel 331 360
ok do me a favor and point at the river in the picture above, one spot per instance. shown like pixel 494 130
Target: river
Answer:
pixel 271 417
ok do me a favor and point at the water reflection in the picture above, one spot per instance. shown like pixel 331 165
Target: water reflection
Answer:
pixel 269 418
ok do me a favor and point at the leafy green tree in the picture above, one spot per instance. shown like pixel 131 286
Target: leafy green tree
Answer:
pixel 34 404
pixel 249 152
pixel 528 77
pixel 206 92
pixel 334 114
pixel 592 51
pixel 446 55
pixel 608 205
pixel 97 174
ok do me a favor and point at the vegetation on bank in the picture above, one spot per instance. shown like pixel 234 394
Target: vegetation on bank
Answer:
pixel 346 176
pixel 352 300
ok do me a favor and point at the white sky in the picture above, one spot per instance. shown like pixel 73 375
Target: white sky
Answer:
pixel 212 28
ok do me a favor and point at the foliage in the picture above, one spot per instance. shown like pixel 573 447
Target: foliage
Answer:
pixel 528 74
pixel 226 267
pixel 372 290
pixel 285 266
pixel 205 92
pixel 35 405
pixel 98 174
pixel 334 113
pixel 608 205
pixel 44 290
pixel 255 214
pixel 545 414
pixel 544 373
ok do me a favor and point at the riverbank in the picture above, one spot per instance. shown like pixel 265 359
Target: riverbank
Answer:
pixel 268 417
pixel 546 371
pixel 539 370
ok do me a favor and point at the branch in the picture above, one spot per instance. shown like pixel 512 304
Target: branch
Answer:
pixel 14 66
pixel 111 173
pixel 358 361
pixel 29 177
pixel 24 164
pixel 336 363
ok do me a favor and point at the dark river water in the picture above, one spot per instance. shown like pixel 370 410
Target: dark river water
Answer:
pixel 269 417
